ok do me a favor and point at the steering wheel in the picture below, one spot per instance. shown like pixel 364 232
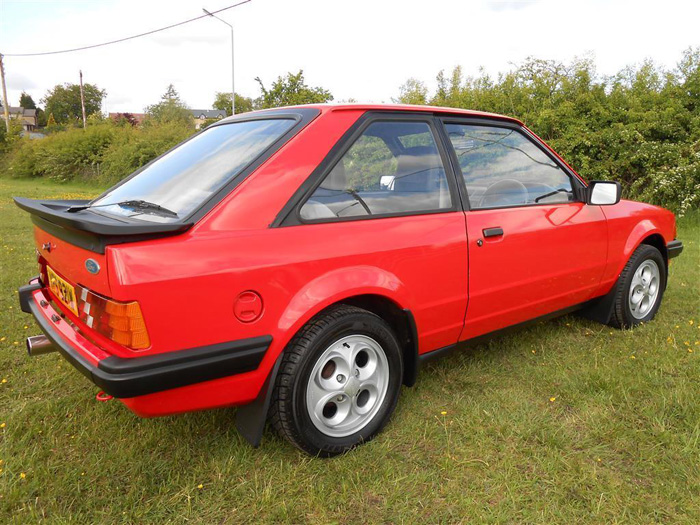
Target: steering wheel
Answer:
pixel 505 192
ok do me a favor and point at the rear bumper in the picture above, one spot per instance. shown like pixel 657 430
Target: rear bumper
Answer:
pixel 132 377
pixel 674 248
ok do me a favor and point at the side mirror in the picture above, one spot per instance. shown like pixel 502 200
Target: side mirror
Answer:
pixel 603 192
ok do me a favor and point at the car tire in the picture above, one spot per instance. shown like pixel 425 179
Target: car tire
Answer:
pixel 640 288
pixel 338 382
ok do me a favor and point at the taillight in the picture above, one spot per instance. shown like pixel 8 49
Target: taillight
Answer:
pixel 121 322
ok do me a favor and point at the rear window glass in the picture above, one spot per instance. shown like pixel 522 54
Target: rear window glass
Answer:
pixel 182 180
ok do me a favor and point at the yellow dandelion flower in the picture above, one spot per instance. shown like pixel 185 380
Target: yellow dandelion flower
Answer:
pixel 25 327
pixel 552 399
pixel 16 343
pixel 686 343
pixel 677 326
pixel 632 357
pixel 690 350
pixel 22 475
pixel 3 338
pixel 200 486
pixel 2 425
pixel 691 322
pixel 599 460
pixel 444 413
pixel 4 380
pixel 534 352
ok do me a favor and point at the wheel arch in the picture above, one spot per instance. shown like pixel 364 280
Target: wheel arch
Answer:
pixel 601 308
pixel 657 241
pixel 644 232
pixel 320 295
pixel 401 322
pixel 390 310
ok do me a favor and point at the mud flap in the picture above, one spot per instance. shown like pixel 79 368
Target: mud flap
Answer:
pixel 251 418
pixel 601 309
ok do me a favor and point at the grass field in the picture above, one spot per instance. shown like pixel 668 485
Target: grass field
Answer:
pixel 567 421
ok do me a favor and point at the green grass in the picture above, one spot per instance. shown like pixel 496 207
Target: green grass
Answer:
pixel 567 421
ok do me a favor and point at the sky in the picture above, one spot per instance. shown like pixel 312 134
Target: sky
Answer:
pixel 358 49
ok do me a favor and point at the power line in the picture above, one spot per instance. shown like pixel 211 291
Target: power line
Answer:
pixel 122 39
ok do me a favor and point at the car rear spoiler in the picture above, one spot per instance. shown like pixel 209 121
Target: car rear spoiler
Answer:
pixel 90 230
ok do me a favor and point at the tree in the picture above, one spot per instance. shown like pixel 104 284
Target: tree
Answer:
pixel 26 101
pixel 413 92
pixel 170 109
pixel 223 102
pixel 52 126
pixel 291 91
pixel 64 101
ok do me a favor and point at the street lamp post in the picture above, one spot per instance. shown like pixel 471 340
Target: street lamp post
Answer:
pixel 233 92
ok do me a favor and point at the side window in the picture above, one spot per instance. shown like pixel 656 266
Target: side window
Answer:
pixel 393 167
pixel 501 167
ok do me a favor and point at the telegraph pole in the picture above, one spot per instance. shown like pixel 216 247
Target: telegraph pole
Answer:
pixel 233 76
pixel 5 106
pixel 82 100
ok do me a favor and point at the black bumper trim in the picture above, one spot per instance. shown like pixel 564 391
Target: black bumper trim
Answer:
pixel 130 377
pixel 674 248
pixel 25 294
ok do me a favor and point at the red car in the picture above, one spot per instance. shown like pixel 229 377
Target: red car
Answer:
pixel 304 262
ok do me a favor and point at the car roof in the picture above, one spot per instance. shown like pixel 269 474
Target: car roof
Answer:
pixel 400 108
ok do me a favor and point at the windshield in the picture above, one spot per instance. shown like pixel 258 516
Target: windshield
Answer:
pixel 185 178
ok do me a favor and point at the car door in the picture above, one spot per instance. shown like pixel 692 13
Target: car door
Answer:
pixel 534 246
pixel 384 217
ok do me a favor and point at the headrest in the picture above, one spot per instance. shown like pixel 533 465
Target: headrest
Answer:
pixel 417 160
pixel 336 179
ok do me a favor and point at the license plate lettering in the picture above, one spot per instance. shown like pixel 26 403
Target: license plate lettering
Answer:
pixel 64 291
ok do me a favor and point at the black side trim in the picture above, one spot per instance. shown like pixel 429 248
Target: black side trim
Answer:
pixel 131 377
pixel 674 248
pixel 410 366
pixel 441 352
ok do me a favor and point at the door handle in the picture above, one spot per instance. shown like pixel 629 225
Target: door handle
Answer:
pixel 493 232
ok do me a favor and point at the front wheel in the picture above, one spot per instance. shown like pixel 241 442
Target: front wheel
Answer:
pixel 640 288
pixel 338 383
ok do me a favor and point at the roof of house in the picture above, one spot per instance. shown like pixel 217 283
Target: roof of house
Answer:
pixel 19 110
pixel 208 113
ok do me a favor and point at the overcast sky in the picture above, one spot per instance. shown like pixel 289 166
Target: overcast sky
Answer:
pixel 360 49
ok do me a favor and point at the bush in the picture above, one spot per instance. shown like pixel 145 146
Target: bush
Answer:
pixel 640 127
pixel 140 147
pixel 103 153
pixel 68 155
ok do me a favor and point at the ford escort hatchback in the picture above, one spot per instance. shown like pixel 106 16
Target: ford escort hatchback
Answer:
pixel 304 262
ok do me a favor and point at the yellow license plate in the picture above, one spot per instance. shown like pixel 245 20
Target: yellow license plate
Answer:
pixel 63 290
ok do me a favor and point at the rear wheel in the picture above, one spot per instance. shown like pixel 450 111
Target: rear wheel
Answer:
pixel 338 383
pixel 640 288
